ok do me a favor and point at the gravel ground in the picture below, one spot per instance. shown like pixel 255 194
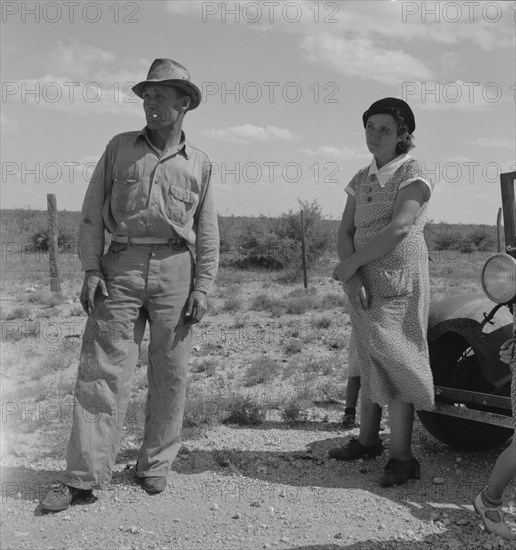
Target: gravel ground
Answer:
pixel 266 487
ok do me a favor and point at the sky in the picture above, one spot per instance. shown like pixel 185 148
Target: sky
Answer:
pixel 284 88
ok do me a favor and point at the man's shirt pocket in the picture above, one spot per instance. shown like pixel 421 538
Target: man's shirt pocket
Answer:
pixel 180 204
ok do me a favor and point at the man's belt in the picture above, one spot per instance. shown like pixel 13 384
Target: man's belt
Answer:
pixel 123 239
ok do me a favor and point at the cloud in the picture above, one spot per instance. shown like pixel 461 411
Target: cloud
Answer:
pixel 337 153
pixel 66 94
pixel 489 27
pixel 456 95
pixel 79 79
pixel 494 141
pixel 76 58
pixel 184 7
pixel 248 133
pixel 361 57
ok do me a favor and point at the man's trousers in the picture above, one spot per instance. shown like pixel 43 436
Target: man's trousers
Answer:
pixel 145 283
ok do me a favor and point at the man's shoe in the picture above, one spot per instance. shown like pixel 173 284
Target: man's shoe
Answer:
pixel 493 519
pixel 398 472
pixel 154 484
pixel 354 450
pixel 61 497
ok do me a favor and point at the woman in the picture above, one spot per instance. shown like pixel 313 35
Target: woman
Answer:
pixel 384 271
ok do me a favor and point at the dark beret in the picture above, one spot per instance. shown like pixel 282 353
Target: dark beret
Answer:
pixel 391 106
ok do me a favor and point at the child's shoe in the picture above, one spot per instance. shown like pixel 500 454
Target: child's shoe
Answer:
pixel 493 518
pixel 348 421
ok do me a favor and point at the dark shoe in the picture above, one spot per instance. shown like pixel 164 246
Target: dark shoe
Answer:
pixel 354 450
pixel 154 484
pixel 398 472
pixel 348 421
pixel 61 497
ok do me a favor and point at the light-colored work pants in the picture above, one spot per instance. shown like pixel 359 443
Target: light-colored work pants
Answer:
pixel 145 283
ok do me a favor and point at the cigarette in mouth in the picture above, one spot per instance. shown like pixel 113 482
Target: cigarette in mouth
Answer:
pixel 154 116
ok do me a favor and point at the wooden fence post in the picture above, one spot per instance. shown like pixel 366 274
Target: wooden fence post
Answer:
pixel 53 249
pixel 303 249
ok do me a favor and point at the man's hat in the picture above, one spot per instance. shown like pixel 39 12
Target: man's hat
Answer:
pixel 390 106
pixel 170 73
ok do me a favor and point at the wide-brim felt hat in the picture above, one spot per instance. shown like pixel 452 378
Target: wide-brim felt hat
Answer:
pixel 391 106
pixel 170 73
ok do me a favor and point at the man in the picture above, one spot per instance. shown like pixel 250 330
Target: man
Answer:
pixel 151 190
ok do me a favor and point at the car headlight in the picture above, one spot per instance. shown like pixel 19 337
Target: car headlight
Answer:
pixel 499 278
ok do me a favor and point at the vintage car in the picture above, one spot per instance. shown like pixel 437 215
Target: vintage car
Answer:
pixel 472 386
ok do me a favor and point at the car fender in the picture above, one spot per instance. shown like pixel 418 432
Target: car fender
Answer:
pixel 463 315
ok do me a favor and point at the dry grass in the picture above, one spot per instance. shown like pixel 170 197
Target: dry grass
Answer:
pixel 263 347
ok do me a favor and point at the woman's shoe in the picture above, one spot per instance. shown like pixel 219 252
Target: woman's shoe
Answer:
pixel 493 519
pixel 354 450
pixel 398 472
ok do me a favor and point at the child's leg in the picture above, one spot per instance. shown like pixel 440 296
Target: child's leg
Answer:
pixel 503 472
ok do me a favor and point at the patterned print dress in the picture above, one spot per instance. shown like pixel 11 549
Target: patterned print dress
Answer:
pixel 390 336
pixel 513 391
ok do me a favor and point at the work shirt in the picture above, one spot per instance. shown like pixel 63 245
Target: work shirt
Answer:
pixel 138 191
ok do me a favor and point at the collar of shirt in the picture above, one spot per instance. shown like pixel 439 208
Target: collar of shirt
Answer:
pixel 385 173
pixel 183 146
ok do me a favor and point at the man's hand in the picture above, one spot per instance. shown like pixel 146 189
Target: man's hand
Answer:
pixel 196 307
pixel 356 292
pixel 92 281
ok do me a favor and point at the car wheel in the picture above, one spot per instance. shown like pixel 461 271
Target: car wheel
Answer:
pixel 454 365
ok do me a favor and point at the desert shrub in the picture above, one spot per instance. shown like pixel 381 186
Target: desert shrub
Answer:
pixel 292 347
pixel 207 365
pixel 332 300
pixel 46 298
pixel 20 312
pixel 232 304
pixel 24 218
pixel 276 243
pixel 57 360
pixel 337 342
pixel 445 239
pixel 76 311
pixel 483 237
pixel 39 240
pixel 260 244
pixel 260 371
pixel 241 320
pixel 244 411
pixel 293 411
pixel 298 305
pixel 201 409
pixel 329 391
pixel 321 365
pixel 323 321
pixel 211 348
pixel 263 302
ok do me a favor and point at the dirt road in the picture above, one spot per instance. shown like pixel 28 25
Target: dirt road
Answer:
pixel 267 487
